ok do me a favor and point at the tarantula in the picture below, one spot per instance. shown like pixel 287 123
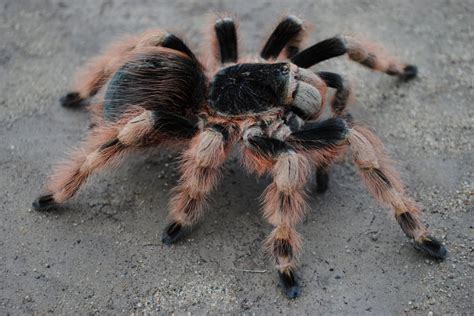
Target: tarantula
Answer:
pixel 151 90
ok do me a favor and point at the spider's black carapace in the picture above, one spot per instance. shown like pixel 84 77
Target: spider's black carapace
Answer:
pixel 249 89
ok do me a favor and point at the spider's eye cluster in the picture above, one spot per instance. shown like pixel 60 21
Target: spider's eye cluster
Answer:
pixel 247 89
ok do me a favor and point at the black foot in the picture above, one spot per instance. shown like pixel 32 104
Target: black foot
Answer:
pixel 172 233
pixel 71 100
pixel 289 284
pixel 349 118
pixel 44 203
pixel 410 72
pixel 322 180
pixel 432 247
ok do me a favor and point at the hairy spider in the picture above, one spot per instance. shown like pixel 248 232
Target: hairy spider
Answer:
pixel 151 90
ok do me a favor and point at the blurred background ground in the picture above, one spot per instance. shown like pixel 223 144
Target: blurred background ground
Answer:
pixel 102 253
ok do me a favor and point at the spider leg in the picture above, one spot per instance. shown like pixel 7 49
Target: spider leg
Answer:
pixel 287 36
pixel 324 159
pixel 343 91
pixel 225 40
pixel 143 105
pixel 322 141
pixel 384 183
pixel 98 70
pixel 201 170
pixel 322 178
pixel 310 93
pixel 104 146
pixel 284 206
pixel 358 50
pixel 284 200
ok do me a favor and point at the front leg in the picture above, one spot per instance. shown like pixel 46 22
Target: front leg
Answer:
pixel 284 200
pixel 384 183
pixel 284 207
pixel 289 162
pixel 359 50
pixel 200 173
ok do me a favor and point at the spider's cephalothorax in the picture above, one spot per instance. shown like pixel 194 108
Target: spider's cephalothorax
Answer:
pixel 151 90
pixel 250 89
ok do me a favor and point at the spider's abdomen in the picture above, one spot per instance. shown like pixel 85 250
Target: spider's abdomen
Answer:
pixel 246 89
pixel 159 80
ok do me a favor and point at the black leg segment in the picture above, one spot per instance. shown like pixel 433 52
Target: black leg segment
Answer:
pixel 72 100
pixel 322 179
pixel 173 42
pixel 289 283
pixel 319 52
pixel 343 91
pixel 432 247
pixel 319 135
pixel 267 147
pixel 286 33
pixel 172 233
pixel 226 34
pixel 409 72
pixel 44 203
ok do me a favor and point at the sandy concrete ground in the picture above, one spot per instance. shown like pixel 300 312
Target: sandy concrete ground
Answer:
pixel 102 253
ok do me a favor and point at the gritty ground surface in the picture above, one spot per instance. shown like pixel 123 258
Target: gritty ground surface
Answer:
pixel 102 253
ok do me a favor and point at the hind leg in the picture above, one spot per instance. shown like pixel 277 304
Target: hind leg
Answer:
pixel 104 146
pixel 384 183
pixel 99 150
pixel 97 71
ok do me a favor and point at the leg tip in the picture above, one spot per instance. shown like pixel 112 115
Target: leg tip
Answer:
pixel 289 284
pixel 293 292
pixel 71 100
pixel 432 247
pixel 223 21
pixel 172 233
pixel 409 72
pixel 44 203
pixel 322 187
pixel 294 19
pixel 322 181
